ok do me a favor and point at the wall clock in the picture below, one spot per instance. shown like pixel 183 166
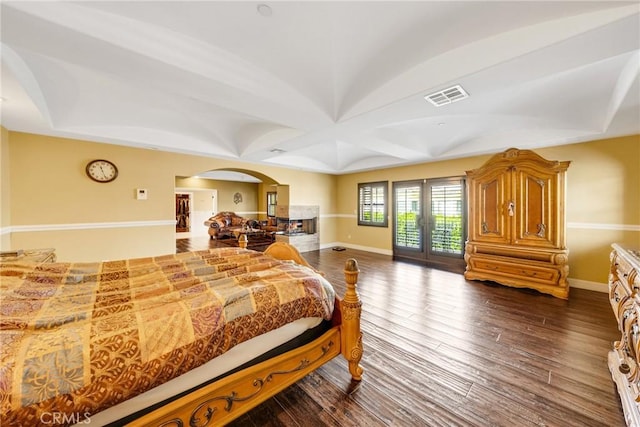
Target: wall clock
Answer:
pixel 101 170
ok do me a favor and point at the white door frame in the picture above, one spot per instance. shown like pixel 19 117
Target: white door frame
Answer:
pixel 197 217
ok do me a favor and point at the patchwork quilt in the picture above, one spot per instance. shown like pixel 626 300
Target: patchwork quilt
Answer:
pixel 76 338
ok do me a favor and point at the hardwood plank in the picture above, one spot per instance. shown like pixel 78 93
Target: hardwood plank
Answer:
pixel 296 403
pixel 337 401
pixel 443 351
pixel 269 414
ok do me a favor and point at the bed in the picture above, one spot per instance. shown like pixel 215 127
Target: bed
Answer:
pixel 110 343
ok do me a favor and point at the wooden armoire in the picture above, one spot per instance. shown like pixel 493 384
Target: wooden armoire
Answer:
pixel 516 204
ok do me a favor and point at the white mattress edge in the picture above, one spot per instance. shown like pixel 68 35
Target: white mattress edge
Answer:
pixel 236 356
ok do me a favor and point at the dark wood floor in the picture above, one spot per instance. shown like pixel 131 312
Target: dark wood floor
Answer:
pixel 443 351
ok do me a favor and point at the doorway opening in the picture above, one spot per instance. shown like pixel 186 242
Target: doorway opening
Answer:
pixel 201 205
pixel 183 212
pixel 241 191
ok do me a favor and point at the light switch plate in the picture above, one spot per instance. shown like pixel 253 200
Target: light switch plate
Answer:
pixel 141 194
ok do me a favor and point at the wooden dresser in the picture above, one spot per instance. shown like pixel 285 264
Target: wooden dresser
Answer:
pixel 624 359
pixel 516 204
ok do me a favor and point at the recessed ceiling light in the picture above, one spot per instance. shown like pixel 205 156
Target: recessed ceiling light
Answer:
pixel 277 150
pixel 264 10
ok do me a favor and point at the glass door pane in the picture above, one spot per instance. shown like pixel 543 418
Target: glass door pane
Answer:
pixel 446 219
pixel 408 214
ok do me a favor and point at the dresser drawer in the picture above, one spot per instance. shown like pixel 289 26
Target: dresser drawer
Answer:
pixel 531 272
pixel 630 340
pixel 624 271
pixel 618 295
pixel 624 358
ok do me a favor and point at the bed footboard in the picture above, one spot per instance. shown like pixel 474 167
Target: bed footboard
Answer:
pixel 223 401
pixel 351 308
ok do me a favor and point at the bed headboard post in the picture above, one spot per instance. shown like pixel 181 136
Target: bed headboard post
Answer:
pixel 351 308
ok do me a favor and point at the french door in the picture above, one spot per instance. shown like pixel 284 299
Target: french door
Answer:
pixel 429 222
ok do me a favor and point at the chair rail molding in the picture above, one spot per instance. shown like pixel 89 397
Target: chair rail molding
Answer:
pixel 603 226
pixel 85 226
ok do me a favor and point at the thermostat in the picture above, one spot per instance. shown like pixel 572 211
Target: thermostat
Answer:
pixel 141 194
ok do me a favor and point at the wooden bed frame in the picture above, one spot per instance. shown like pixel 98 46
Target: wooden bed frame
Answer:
pixel 220 402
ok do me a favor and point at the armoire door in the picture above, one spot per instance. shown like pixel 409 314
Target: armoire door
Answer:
pixel 535 223
pixel 490 207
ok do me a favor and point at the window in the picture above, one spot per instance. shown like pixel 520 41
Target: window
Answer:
pixel 272 198
pixel 372 204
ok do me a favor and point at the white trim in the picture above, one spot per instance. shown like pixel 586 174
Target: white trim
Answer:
pixel 588 285
pixel 573 283
pixel 342 216
pixel 582 225
pixel 357 247
pixel 155 223
pixel 243 213
pixel 87 226
pixel 603 226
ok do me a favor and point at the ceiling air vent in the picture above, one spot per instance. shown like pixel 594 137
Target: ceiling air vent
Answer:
pixel 447 96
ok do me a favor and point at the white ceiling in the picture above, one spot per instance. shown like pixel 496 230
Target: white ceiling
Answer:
pixel 333 87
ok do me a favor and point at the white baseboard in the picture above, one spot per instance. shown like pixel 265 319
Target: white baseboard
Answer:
pixel 588 285
pixel 357 247
pixel 573 283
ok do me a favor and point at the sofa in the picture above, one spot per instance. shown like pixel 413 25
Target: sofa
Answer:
pixel 225 223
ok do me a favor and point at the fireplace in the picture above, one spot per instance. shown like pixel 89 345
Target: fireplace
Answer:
pixel 298 225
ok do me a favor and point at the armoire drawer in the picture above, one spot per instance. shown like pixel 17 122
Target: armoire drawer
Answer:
pixel 534 273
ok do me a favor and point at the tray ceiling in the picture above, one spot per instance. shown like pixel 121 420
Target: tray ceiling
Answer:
pixel 332 87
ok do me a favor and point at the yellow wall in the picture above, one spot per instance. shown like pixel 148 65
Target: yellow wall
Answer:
pixel 603 200
pixel 379 237
pixel 54 204
pixel 5 188
pixel 47 200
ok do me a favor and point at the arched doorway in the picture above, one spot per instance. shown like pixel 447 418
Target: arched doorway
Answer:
pixel 245 192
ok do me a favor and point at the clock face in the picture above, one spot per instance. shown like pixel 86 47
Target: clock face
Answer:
pixel 102 170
